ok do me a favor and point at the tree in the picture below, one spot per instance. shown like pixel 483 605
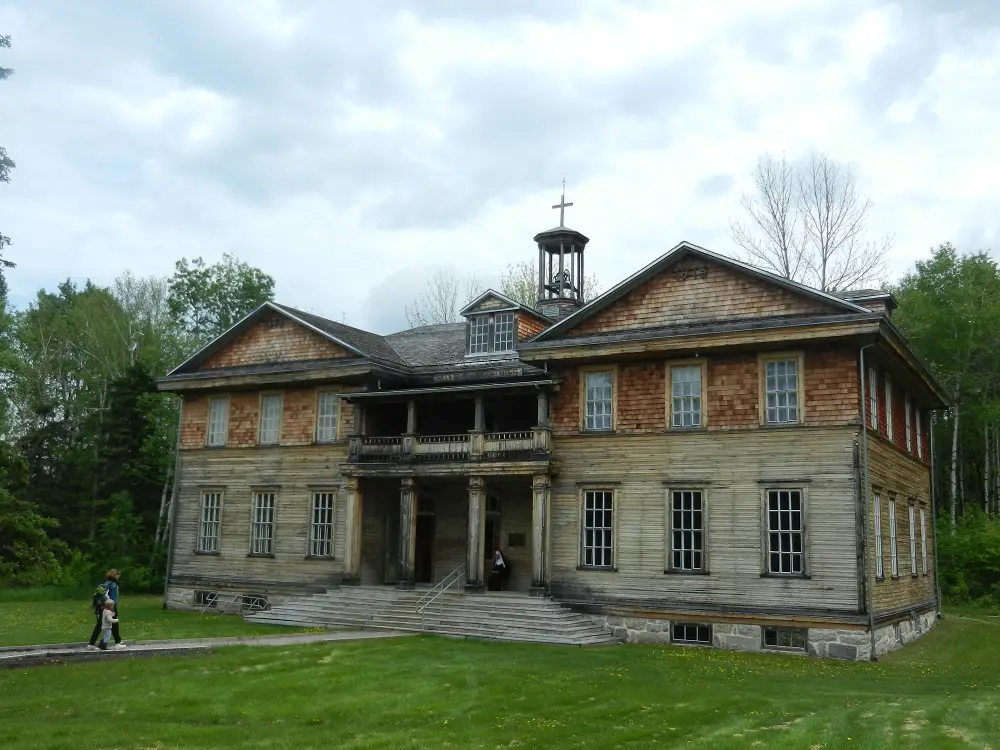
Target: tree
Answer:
pixel 6 164
pixel 205 301
pixel 949 308
pixel 442 299
pixel 27 554
pixel 519 281
pixel 809 224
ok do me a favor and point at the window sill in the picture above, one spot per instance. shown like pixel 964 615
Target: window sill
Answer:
pixel 267 445
pixel 205 553
pixel 673 572
pixel 261 554
pixel 698 428
pixel 328 558
pixel 335 441
pixel 597 432
pixel 914 575
pixel 788 576
pixel 895 578
pixel 216 447
pixel 596 569
pixel 879 579
pixel 779 425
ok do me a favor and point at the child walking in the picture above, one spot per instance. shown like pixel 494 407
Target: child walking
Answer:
pixel 108 621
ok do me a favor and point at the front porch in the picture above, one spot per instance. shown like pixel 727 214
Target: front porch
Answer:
pixel 414 531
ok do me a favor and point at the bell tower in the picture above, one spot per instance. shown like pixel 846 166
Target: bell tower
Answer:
pixel 560 267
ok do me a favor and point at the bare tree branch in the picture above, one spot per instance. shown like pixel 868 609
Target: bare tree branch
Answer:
pixel 441 300
pixel 809 225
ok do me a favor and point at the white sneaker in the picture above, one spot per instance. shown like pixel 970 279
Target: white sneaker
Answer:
pixel 93 647
pixel 120 645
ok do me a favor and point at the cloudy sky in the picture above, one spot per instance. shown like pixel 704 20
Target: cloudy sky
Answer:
pixel 350 148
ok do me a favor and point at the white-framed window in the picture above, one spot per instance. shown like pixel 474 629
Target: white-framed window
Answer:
pixel 785 536
pixel 598 400
pixel 781 391
pixel 208 528
pixel 270 419
pixel 262 524
pixel 691 632
pixel 327 416
pixel 920 436
pixel 888 406
pixel 685 396
pixel 893 558
pixel 791 639
pixel 912 518
pixel 503 332
pixel 908 415
pixel 218 422
pixel 923 540
pixel 479 334
pixel 879 572
pixel 873 398
pixel 492 332
pixel 687 530
pixel 321 524
pixel 598 528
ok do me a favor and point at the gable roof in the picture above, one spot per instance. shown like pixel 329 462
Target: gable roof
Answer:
pixel 507 301
pixel 686 248
pixel 361 343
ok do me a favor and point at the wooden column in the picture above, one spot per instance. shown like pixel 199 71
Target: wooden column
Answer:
pixel 583 296
pixel 407 532
pixel 411 417
pixel 541 272
pixel 476 434
pixel 474 579
pixel 540 490
pixel 543 409
pixel 352 542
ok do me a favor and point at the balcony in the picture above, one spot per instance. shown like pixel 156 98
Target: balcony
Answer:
pixel 525 445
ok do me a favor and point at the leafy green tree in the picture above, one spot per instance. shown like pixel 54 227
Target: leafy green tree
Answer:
pixel 27 554
pixel 205 301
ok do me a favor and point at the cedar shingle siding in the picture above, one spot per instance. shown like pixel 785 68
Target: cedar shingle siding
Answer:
pixel 274 339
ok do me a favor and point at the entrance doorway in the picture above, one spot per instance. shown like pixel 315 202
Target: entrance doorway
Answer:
pixel 423 562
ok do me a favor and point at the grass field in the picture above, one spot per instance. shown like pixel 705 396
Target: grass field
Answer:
pixel 428 692
pixel 64 616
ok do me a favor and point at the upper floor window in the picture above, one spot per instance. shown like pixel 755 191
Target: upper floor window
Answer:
pixel 888 406
pixel 908 412
pixel 327 410
pixel 685 396
pixel 218 421
pixel 492 332
pixel 270 419
pixel 872 398
pixel 920 437
pixel 781 391
pixel 598 400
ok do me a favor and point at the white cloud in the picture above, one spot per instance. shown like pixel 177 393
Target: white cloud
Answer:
pixel 350 148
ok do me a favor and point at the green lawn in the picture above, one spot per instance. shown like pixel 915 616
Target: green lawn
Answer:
pixel 68 619
pixel 428 692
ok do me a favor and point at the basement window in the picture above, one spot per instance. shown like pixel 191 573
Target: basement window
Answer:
pixel 205 598
pixel 691 633
pixel 784 639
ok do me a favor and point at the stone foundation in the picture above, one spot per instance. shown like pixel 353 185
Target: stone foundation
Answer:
pixel 183 598
pixel 847 644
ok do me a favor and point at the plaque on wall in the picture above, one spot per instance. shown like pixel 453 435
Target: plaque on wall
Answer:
pixel 550 311
pixel 515 539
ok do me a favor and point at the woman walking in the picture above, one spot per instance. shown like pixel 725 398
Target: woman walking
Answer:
pixel 110 587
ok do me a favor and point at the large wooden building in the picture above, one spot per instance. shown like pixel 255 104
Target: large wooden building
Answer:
pixel 684 457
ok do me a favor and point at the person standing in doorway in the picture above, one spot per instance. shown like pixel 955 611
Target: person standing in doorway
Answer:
pixel 110 586
pixel 501 569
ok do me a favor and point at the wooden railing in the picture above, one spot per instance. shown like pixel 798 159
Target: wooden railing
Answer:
pixel 470 446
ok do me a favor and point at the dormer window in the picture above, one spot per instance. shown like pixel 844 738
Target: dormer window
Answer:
pixel 491 332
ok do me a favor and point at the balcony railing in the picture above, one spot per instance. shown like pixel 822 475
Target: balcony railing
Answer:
pixel 470 446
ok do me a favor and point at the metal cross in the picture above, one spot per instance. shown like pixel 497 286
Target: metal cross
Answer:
pixel 561 205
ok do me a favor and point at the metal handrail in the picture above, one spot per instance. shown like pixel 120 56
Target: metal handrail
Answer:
pixel 455 577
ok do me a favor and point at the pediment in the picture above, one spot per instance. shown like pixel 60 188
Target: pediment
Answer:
pixel 274 337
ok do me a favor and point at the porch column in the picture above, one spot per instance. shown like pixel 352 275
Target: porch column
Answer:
pixel 407 532
pixel 474 580
pixel 411 428
pixel 476 434
pixel 352 542
pixel 540 490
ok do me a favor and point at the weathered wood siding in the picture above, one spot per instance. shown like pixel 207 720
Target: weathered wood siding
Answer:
pixel 529 326
pixel 732 395
pixel 293 474
pixel 298 418
pixel 680 295
pixel 893 473
pixel 275 339
pixel 733 468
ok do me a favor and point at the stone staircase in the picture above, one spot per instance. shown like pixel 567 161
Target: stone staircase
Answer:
pixel 496 616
